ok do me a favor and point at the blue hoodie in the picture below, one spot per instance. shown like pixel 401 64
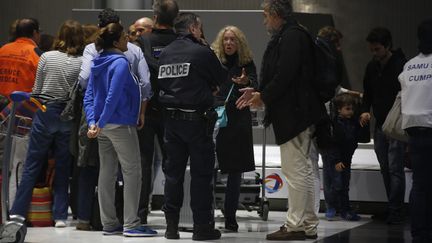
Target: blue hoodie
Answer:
pixel 113 94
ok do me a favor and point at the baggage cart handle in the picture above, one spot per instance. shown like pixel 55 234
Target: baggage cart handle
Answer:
pixel 19 96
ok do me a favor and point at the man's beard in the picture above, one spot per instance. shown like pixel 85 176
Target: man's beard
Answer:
pixel 272 31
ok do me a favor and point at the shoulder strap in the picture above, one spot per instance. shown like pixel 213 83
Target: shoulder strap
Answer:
pixel 229 93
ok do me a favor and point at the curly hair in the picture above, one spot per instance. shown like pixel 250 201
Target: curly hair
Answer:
pixel 70 38
pixel 107 16
pixel 243 51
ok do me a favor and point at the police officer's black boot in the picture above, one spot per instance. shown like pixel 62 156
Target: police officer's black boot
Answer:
pixel 172 231
pixel 205 232
pixel 231 224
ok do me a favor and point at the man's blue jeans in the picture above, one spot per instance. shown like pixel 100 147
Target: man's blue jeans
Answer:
pixel 391 153
pixel 47 133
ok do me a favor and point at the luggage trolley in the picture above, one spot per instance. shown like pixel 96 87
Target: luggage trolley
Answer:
pixel 13 228
pixel 264 206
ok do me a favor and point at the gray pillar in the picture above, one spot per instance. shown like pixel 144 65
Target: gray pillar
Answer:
pixel 125 4
pixel 97 4
pixel 148 4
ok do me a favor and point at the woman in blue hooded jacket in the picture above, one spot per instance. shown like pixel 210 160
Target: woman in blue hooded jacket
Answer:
pixel 113 109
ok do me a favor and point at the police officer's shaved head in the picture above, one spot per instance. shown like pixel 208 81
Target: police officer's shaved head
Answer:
pixel 165 11
pixel 184 21
pixel 27 27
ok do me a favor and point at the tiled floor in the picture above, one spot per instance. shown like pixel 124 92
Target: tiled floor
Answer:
pixel 252 229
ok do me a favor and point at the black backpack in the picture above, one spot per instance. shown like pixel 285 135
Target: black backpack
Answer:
pixel 326 72
pixel 326 78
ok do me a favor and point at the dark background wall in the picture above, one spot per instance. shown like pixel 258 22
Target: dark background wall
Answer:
pixel 353 17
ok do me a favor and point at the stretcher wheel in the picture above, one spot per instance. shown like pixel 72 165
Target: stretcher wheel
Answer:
pixel 265 211
pixel 20 235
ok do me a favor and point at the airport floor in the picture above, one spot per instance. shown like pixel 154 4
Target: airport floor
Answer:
pixel 252 229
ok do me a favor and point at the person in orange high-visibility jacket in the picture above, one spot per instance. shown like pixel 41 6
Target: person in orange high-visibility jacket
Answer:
pixel 19 59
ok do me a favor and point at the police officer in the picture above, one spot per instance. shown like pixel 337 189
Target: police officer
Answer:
pixel 165 11
pixel 189 74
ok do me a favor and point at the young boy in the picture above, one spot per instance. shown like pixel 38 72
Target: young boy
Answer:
pixel 337 159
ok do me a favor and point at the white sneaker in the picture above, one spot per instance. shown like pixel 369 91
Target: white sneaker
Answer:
pixel 60 223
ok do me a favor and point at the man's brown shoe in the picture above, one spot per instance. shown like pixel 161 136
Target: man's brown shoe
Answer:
pixel 83 226
pixel 312 237
pixel 284 234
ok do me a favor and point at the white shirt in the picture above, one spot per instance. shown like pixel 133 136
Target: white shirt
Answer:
pixel 136 59
pixel 416 99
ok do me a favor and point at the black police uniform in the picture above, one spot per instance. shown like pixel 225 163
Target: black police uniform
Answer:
pixel 151 45
pixel 188 74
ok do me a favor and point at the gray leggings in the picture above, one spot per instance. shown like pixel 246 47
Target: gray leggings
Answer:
pixel 119 144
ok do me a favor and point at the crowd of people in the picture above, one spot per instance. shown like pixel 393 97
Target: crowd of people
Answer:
pixel 147 96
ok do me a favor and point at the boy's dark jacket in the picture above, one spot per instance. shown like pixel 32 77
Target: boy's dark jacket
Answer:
pixel 345 138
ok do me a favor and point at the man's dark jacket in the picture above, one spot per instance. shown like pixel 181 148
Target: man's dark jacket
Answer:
pixel 152 45
pixel 287 72
pixel 381 85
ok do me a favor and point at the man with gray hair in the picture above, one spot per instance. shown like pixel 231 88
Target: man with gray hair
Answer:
pixel 288 70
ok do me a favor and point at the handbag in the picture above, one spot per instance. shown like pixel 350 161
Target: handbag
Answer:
pixel 222 120
pixel 392 126
pixel 73 104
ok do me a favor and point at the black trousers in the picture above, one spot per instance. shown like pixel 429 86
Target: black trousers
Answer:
pixel 185 140
pixel 420 143
pixel 232 194
pixel 153 126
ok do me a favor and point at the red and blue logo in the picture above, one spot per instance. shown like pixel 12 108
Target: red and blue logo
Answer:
pixel 273 183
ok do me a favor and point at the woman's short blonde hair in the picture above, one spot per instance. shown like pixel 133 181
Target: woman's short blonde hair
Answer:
pixel 243 50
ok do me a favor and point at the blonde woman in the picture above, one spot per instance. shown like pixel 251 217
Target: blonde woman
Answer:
pixel 233 51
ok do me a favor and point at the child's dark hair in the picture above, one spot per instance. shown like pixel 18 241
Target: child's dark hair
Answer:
pixel 107 35
pixel 342 100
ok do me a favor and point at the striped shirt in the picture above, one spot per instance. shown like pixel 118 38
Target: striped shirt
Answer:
pixel 56 74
